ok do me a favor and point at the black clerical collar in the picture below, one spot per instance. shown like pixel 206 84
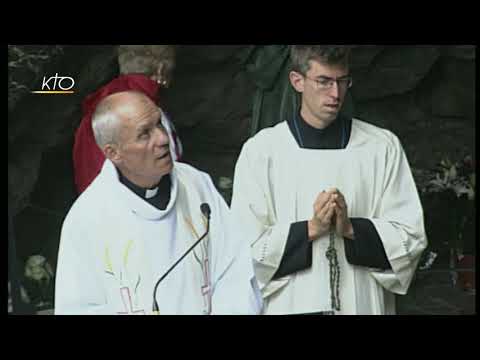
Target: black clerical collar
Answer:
pixel 158 197
pixel 334 137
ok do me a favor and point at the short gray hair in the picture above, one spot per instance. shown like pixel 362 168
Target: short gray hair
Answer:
pixel 107 118
pixel 105 124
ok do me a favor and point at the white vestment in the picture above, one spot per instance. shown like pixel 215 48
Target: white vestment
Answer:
pixel 115 246
pixel 276 184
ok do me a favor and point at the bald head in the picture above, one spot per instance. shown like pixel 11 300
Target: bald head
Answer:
pixel 112 111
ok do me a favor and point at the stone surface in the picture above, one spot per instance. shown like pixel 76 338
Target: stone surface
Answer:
pixel 211 98
pixel 464 52
pixel 395 70
pixel 36 123
pixel 454 92
pixel 25 68
pixel 434 294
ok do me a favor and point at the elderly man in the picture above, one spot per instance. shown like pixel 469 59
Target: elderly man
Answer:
pixel 328 202
pixel 144 68
pixel 138 218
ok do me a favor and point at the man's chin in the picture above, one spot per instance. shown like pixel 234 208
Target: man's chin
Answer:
pixel 165 168
pixel 332 111
pixel 329 117
pixel 169 168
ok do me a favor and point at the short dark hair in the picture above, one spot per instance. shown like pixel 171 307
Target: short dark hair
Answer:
pixel 301 55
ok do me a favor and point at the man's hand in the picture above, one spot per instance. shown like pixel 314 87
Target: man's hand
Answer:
pixel 343 225
pixel 324 210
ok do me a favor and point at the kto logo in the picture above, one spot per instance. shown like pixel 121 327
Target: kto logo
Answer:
pixel 56 85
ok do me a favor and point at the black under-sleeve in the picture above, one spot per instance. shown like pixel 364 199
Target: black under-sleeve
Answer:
pixel 298 251
pixel 367 249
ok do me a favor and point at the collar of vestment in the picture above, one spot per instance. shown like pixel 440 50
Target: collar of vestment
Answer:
pixel 159 196
pixel 334 137
pixel 135 203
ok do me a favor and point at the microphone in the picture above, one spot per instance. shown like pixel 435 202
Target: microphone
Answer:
pixel 205 209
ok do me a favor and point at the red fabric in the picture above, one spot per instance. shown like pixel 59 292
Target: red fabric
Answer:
pixel 88 158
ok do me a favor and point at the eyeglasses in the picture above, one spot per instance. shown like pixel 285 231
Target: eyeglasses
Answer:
pixel 324 83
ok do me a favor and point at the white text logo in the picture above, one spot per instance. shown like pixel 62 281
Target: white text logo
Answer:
pixel 56 85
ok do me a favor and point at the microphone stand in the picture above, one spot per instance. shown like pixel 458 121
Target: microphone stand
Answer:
pixel 206 211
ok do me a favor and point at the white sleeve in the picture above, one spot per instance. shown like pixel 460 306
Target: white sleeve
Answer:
pixel 400 222
pixel 254 211
pixel 235 290
pixel 78 289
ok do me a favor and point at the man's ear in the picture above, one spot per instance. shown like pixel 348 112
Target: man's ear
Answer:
pixel 112 153
pixel 297 81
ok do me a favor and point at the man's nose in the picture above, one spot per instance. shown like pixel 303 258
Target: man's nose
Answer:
pixel 161 137
pixel 334 91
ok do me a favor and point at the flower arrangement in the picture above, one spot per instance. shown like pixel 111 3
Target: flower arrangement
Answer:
pixel 39 278
pixel 458 177
pixel 448 194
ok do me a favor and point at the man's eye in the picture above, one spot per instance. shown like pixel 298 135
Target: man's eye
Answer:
pixel 145 134
pixel 324 82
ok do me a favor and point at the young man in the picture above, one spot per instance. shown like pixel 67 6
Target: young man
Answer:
pixel 328 203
